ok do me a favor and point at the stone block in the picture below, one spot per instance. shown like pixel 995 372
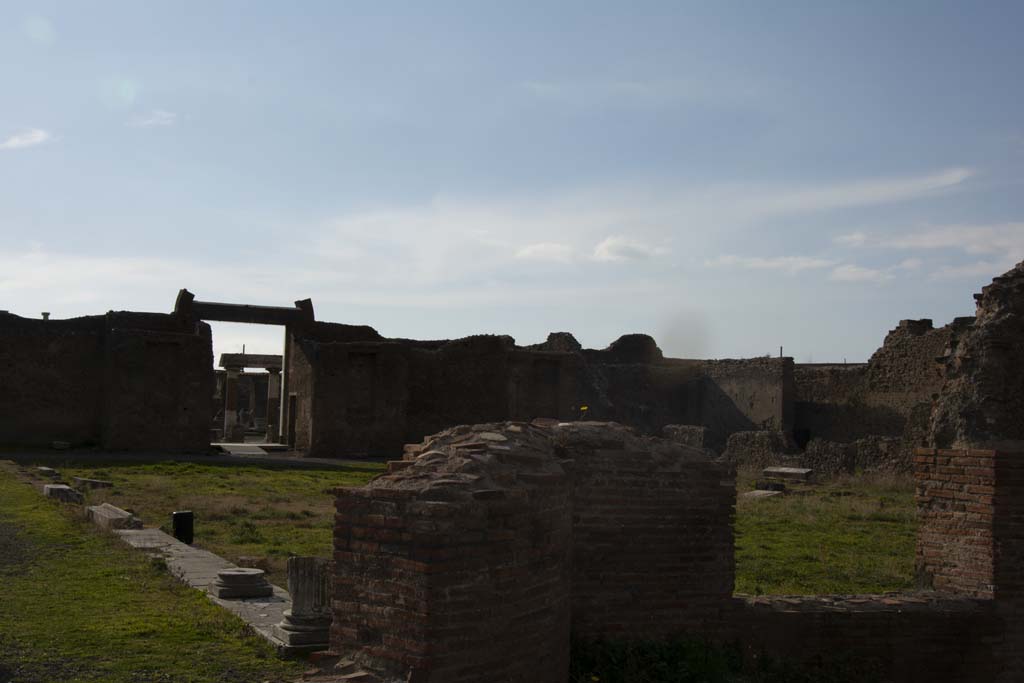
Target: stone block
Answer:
pixel 756 495
pixel 107 516
pixel 48 472
pixel 85 483
pixel 63 493
pixel 236 583
pixel 794 473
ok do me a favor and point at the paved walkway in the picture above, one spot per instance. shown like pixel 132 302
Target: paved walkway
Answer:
pixel 87 457
pixel 198 568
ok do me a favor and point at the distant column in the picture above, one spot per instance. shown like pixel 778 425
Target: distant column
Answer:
pixel 230 402
pixel 273 403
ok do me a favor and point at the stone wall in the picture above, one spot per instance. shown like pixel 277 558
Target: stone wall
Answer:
pixel 848 402
pixel 369 395
pixel 53 380
pixel 120 380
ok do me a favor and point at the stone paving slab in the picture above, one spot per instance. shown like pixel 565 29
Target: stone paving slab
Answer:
pixel 198 568
pixel 801 473
pixel 760 494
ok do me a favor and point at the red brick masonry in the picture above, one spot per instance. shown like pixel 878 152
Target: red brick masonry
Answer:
pixel 470 559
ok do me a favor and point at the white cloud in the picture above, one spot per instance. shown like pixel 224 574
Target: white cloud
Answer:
pixel 866 192
pixel 910 264
pixel 29 138
pixel 154 119
pixel 39 30
pixel 854 239
pixel 618 248
pixel 546 251
pixel 976 269
pixel 790 264
pixel 849 272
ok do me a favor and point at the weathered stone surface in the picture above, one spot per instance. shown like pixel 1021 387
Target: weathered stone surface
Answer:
pixel 757 449
pixel 795 473
pixel 306 626
pixel 107 516
pixel 688 435
pixel 981 404
pixel 63 493
pixel 48 472
pixel 241 582
pixel 758 494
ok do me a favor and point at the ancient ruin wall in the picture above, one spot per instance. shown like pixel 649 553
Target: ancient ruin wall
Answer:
pixel 122 380
pixel 742 395
pixel 159 384
pixel 53 374
pixel 455 567
pixel 368 395
pixel 652 534
pixel 881 398
pixel 982 401
pixel 955 494
pixel 914 638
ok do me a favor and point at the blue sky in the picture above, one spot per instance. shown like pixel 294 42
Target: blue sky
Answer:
pixel 728 177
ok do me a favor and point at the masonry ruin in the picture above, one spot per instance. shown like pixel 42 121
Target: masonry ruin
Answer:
pixel 486 547
pixel 145 381
pixel 481 552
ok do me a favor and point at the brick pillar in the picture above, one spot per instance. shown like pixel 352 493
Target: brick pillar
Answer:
pixel 454 581
pixel 955 544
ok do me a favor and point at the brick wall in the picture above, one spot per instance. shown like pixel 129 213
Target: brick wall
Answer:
pixel 467 561
pixel 910 638
pixel 456 567
pixel 955 493
pixel 652 535
pixel 121 380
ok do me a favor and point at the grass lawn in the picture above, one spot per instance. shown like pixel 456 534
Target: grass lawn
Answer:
pixel 77 605
pixel 240 510
pixel 851 535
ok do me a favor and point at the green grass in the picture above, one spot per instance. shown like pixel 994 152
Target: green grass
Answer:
pixel 240 510
pixel 851 535
pixel 76 605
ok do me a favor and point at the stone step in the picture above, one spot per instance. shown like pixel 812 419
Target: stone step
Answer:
pixel 107 516
pixel 760 494
pixel 794 473
pixel 63 493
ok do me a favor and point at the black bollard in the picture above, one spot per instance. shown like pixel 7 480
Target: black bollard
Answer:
pixel 182 524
